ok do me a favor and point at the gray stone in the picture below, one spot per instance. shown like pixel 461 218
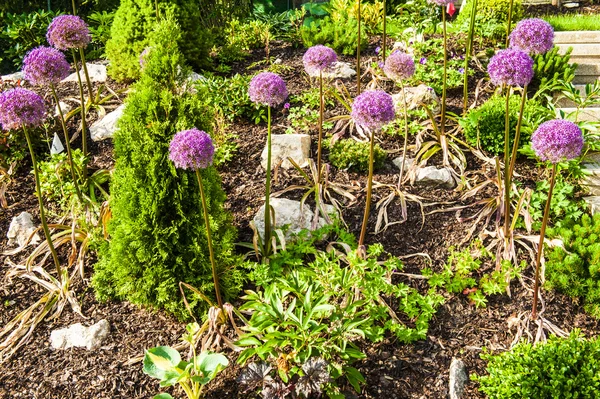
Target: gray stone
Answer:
pixel 21 227
pixel 77 335
pixel 105 128
pixel 64 107
pixel 13 77
pixel 291 214
pixel 416 97
pixel 195 77
pixel 398 162
pixel 339 70
pixel 458 378
pixel 284 146
pixel 594 203
pixel 432 176
pixel 97 74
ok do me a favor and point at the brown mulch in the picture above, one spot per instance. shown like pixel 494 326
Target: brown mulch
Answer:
pixel 393 370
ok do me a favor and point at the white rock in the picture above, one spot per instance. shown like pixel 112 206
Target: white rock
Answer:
pixel 105 128
pixel 398 162
pixel 340 69
pixel 13 77
pixel 415 97
pixel 21 227
pixel 77 335
pixel 594 203
pixel 284 146
pixel 571 5
pixel 195 77
pixel 432 176
pixel 289 213
pixel 458 378
pixel 97 74
pixel 64 107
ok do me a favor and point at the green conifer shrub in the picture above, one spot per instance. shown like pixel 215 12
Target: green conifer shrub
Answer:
pixel 158 237
pixel 354 155
pixel 133 23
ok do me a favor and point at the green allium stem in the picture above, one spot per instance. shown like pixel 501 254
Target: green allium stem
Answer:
pixel 513 156
pixel 445 73
pixel 358 53
pixel 72 4
pixel 405 134
pixel 383 47
pixel 83 122
pixel 267 244
pixel 87 76
pixel 363 230
pixel 538 258
pixel 209 240
pixel 507 168
pixel 41 203
pixel 510 15
pixel 321 112
pixel 468 57
pixel 68 144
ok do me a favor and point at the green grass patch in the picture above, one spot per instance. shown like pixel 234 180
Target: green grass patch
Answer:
pixel 571 22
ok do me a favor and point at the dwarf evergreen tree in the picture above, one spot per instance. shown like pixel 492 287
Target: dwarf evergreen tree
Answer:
pixel 133 23
pixel 158 237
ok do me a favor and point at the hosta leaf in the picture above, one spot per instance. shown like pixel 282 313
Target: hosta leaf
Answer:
pixel 160 359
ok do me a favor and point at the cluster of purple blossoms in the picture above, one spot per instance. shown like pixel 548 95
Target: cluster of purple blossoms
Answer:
pixel 143 56
pixel 373 109
pixel 399 66
pixel 45 66
pixel 557 140
pixel 267 88
pixel 318 59
pixel 441 2
pixel 68 32
pixel 21 108
pixel 511 67
pixel 534 36
pixel 191 149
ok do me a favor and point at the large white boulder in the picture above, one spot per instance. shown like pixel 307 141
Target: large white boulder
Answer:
pixel 97 74
pixel 284 146
pixel 416 97
pixel 339 70
pixel 21 227
pixel 434 177
pixel 106 127
pixel 78 335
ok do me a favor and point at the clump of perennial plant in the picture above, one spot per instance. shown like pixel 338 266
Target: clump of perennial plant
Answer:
pixel 371 110
pixel 268 89
pixel 533 35
pixel 554 141
pixel 193 149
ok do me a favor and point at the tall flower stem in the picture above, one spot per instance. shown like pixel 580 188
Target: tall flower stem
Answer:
pixel 41 202
pixel 321 112
pixel 267 246
pixel 508 24
pixel 363 230
pixel 538 258
pixel 384 45
pixel 87 75
pixel 358 53
pixel 507 168
pixel 513 155
pixel 209 240
pixel 405 134
pixel 83 121
pixel 445 73
pixel 68 144
pixel 468 57
pixel 74 7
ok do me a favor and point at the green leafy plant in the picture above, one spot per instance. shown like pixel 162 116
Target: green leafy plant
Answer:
pixel 430 70
pixel 349 154
pixel 99 23
pixel 157 231
pixel 574 268
pixel 484 126
pixel 552 71
pixel 564 204
pixel 165 364
pixel 342 36
pixel 559 368
pixel 491 17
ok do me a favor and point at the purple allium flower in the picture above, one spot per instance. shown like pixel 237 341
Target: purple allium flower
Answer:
pixel 441 2
pixel 318 58
pixel 191 149
pixel 373 109
pixel 45 66
pixel 423 60
pixel 511 67
pixel 461 70
pixel 267 88
pixel 143 56
pixel 399 66
pixel 533 35
pixel 286 106
pixel 21 107
pixel 377 50
pixel 557 140
pixel 67 32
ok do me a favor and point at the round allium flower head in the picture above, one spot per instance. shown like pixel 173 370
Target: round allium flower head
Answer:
pixel 440 2
pixel 399 66
pixel 318 59
pixel 533 35
pixel 512 67
pixel 45 65
pixel 143 56
pixel 373 109
pixel 267 88
pixel 21 107
pixel 557 140
pixel 191 149
pixel 67 32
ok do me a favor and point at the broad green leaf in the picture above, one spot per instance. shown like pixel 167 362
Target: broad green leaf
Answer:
pixel 211 363
pixel 160 359
pixel 248 341
pixel 163 396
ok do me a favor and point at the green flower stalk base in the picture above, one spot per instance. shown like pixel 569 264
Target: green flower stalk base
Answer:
pixel 468 53
pixel 267 239
pixel 507 179
pixel 84 147
pixel 358 53
pixel 209 240
pixel 405 135
pixel 363 230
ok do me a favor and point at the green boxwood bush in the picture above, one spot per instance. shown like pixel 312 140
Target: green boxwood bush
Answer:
pixel 561 368
pixel 491 17
pixel 133 23
pixel 354 155
pixel 487 122
pixel 158 236
pixel 575 269
pixel 341 36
